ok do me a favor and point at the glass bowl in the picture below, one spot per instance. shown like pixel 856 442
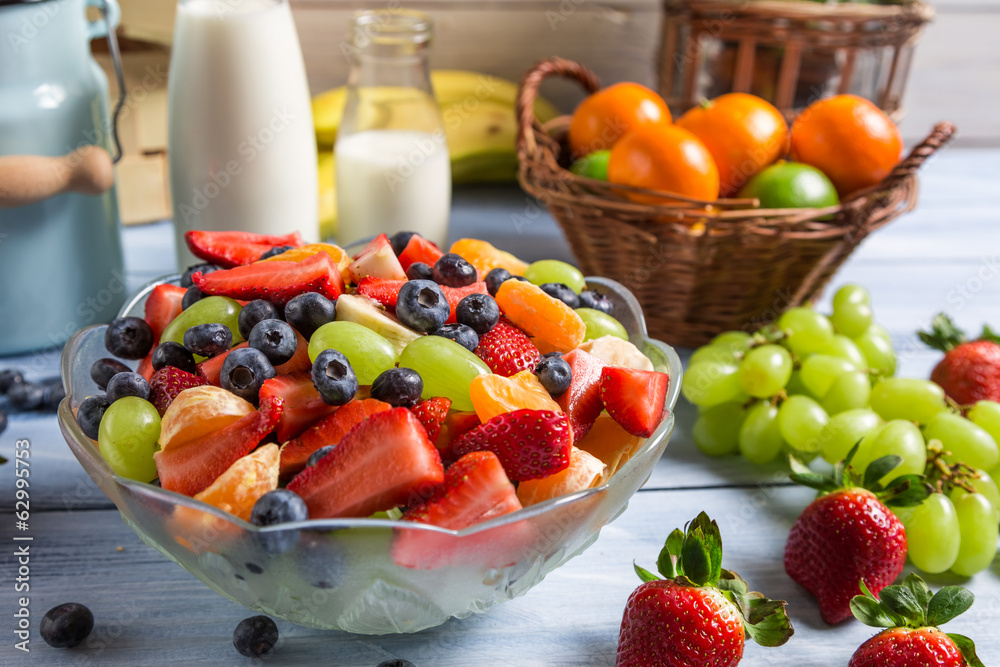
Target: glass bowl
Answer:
pixel 340 573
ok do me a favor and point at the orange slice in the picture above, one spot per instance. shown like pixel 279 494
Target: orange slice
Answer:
pixel 198 411
pixel 610 443
pixel 236 490
pixel 585 471
pixel 485 257
pixel 336 253
pixel 494 395
pixel 548 320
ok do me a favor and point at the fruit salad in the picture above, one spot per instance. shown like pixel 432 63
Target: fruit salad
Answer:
pixel 281 381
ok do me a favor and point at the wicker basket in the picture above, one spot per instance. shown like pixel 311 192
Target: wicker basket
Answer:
pixel 790 53
pixel 698 271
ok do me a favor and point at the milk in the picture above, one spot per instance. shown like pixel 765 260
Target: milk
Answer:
pixel 390 181
pixel 242 147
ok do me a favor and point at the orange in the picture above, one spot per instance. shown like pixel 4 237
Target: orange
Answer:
pixel 610 113
pixel 667 158
pixel 743 132
pixel 485 257
pixel 494 395
pixel 198 411
pixel 236 490
pixel 336 253
pixel 584 471
pixel 849 139
pixel 610 443
pixel 549 321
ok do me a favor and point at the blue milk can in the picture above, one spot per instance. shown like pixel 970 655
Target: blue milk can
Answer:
pixel 61 264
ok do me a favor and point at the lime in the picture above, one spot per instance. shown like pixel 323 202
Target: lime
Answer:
pixel 594 165
pixel 791 185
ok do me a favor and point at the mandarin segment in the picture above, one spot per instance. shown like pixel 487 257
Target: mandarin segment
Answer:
pixel 584 472
pixel 493 395
pixel 198 411
pixel 548 320
pixel 610 443
pixel 486 257
pixel 238 488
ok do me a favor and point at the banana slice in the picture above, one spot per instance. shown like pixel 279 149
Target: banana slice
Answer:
pixel 617 352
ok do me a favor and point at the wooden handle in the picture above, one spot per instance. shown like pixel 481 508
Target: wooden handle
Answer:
pixel 26 179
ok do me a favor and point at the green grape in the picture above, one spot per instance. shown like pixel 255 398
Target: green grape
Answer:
pixel 711 383
pixel 446 367
pixel 985 485
pixel 849 391
pixel 845 348
pixel 844 430
pixel 795 386
pixel 369 353
pixel 852 319
pixel 850 293
pixel 966 442
pixel 554 271
pixel 720 353
pixel 128 437
pixel 808 331
pixel 880 331
pixel 898 437
pixel 760 437
pixel 210 310
pixel 977 523
pixel 911 399
pixel 986 415
pixel 878 351
pixel 765 370
pixel 819 371
pixel 600 324
pixel 932 534
pixel 735 341
pixel 800 419
pixel 716 432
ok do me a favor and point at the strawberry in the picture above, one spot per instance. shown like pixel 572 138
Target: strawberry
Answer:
pixel 145 367
pixel 970 371
pixel 276 281
pixel 432 414
pixel 229 249
pixel 507 350
pixel 327 431
pixel 634 398
pixel 211 369
pixel 456 294
pixel 303 404
pixel 456 424
pixel 166 383
pixel 384 291
pixel 377 260
pixel 530 444
pixel 582 401
pixel 419 249
pixel 849 534
pixel 698 614
pixel 162 305
pixel 911 614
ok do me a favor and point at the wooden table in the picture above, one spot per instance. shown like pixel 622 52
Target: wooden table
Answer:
pixel 945 256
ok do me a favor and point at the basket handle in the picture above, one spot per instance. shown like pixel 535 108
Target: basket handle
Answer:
pixel 939 136
pixel 528 91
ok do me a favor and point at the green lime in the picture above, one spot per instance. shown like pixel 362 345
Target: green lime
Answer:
pixel 791 185
pixel 594 165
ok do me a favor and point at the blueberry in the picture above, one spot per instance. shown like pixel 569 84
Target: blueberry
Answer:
pixel 453 271
pixel 174 354
pixel 552 355
pixel 334 378
pixel 90 413
pixel 102 370
pixel 127 384
pixel 478 311
pixel 195 268
pixel 420 271
pixel 495 278
pixel 8 378
pixel 273 508
pixel 563 293
pixel 555 375
pixel 243 372
pixel 318 454
pixel 396 662
pixel 276 250
pixel 129 338
pixel 66 625
pixel 254 312
pixel 399 387
pixel 26 396
pixel 422 306
pixel 596 300
pixel 208 340
pixel 275 339
pixel 255 637
pixel 191 297
pixel 461 334
pixel 399 240
pixel 53 394
pixel 320 561
pixel 308 312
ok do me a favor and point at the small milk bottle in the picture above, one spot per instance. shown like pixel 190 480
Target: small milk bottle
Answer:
pixel 393 172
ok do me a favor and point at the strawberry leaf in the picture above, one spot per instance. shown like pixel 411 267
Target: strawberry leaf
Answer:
pixel 921 591
pixel 645 574
pixel 870 612
pixel 905 491
pixel 944 335
pixel 968 649
pixel 701 554
pixel 948 603
pixel 766 621
pixel 733 583
pixel 989 334
pixel 900 600
pixel 667 563
pixel 879 468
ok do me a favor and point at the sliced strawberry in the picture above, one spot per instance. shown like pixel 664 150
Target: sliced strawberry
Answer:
pixel 530 444
pixel 229 249
pixel 507 350
pixel 384 291
pixel 276 281
pixel 211 369
pixel 162 305
pixel 376 260
pixel 582 401
pixel 634 398
pixel 456 294
pixel 303 404
pixel 455 425
pixel 432 414
pixel 166 383
pixel 419 249
pixel 383 462
pixel 327 431
pixel 145 368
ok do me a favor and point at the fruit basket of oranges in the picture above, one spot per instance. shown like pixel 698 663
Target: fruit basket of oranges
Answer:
pixel 701 217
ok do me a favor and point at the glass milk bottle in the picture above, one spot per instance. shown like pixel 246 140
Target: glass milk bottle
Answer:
pixel 393 172
pixel 242 147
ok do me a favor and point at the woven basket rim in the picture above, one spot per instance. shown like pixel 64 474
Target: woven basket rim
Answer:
pixel 916 10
